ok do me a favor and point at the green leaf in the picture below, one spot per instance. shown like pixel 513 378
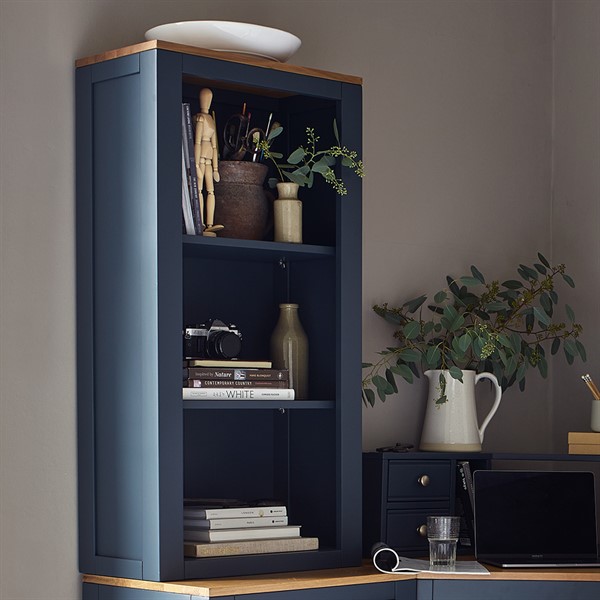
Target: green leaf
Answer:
pixel 543 367
pixel 546 303
pixel 477 346
pixel 553 296
pixel 296 156
pixel 297 177
pixel 414 304
pixel 529 321
pixel 477 274
pixel 390 378
pixel 273 133
pixel 570 358
pixel 369 395
pixel 543 260
pixel 383 387
pixel 321 166
pixel 411 330
pixel 464 342
pixel 512 284
pixel 515 342
pixel 428 327
pixel 569 280
pixel 540 268
pixel 530 273
pixel 409 355
pixel 581 350
pixel 511 366
pixel 541 316
pixel 403 371
pixel 456 373
pixel 555 345
pixel 495 307
pixel 432 357
pixel 570 313
pixel 440 297
pixel 366 365
pixel 571 348
pixel 470 280
pixel 521 371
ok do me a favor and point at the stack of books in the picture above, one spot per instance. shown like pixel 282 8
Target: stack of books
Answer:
pixel 234 380
pixel 584 442
pixel 241 530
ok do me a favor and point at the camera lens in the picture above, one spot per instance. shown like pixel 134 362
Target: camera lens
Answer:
pixel 224 344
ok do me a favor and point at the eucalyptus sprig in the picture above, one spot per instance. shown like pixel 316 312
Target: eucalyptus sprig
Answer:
pixel 306 160
pixel 501 328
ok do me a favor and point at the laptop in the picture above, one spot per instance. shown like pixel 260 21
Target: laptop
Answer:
pixel 535 518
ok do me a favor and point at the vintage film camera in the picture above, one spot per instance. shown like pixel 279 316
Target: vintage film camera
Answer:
pixel 213 339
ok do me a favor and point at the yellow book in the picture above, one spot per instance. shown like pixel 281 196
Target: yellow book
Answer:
pixel 584 448
pixel 584 437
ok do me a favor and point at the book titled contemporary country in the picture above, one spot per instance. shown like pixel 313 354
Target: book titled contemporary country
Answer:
pixel 234 512
pixel 206 549
pixel 230 393
pixel 253 383
pixel 235 523
pixel 199 534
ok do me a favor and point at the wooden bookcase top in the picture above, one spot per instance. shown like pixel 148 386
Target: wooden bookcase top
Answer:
pixel 227 56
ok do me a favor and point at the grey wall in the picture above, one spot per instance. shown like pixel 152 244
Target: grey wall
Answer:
pixel 460 116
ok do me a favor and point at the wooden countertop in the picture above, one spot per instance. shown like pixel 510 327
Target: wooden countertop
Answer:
pixel 302 580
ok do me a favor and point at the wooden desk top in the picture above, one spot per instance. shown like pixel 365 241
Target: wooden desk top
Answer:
pixel 302 580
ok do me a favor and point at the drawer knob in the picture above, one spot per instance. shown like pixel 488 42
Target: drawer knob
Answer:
pixel 424 480
pixel 422 530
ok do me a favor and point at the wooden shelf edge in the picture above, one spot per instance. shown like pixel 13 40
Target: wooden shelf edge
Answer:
pixel 227 56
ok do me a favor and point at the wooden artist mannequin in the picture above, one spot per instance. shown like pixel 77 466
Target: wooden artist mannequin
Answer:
pixel 206 159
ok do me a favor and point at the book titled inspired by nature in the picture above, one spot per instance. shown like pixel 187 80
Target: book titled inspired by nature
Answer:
pixel 206 549
pixel 234 374
pixel 238 393
pixel 198 534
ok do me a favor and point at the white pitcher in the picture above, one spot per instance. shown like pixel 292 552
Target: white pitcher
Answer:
pixel 453 425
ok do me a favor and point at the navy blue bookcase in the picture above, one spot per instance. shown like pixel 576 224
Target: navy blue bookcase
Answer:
pixel 142 449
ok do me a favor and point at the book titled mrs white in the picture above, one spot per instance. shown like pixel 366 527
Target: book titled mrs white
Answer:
pixel 236 523
pixel 238 393
pixel 199 534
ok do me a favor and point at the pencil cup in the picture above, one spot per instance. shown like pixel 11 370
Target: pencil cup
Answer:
pixel 442 533
pixel 595 420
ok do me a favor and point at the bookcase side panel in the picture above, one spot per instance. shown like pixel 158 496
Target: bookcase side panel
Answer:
pixel 349 267
pixel 160 107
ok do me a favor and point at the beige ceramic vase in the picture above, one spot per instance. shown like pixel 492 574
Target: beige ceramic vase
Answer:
pixel 287 214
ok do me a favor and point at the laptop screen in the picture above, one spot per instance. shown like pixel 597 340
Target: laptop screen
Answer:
pixel 525 514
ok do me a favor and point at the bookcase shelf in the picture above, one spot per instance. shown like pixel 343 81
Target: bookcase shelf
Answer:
pixel 259 404
pixel 140 282
pixel 218 248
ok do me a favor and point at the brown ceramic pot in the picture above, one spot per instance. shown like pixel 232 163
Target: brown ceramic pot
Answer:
pixel 241 204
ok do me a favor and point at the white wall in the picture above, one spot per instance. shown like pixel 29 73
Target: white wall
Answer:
pixel 457 144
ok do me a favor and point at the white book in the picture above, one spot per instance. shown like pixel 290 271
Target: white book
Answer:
pixel 238 393
pixel 236 523
pixel 232 513
pixel 248 533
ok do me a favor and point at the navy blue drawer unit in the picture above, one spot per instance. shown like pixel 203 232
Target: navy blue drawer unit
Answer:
pixel 401 489
pixel 140 281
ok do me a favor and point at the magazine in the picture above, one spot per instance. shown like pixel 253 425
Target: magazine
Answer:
pixel 387 560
